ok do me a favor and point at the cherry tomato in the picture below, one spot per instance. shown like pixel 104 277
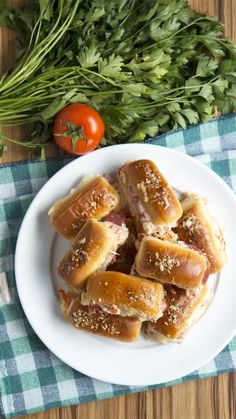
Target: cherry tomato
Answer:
pixel 78 129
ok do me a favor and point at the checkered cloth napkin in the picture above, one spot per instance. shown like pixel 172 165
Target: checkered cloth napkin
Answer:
pixel 32 378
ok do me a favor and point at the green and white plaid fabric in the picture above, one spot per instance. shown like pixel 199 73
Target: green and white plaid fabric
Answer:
pixel 32 378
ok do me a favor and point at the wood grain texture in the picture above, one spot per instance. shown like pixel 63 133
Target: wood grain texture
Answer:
pixel 213 398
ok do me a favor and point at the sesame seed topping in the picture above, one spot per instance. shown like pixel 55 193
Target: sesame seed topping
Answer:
pixel 152 178
pixel 95 322
pixel 92 202
pixel 181 307
pixel 153 187
pixel 146 296
pixel 142 187
pixel 134 298
pixel 165 201
pixel 164 262
pixel 75 258
pixel 75 226
pixel 191 224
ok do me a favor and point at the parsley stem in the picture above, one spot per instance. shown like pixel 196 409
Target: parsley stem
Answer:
pixel 144 67
pixel 30 144
pixel 31 61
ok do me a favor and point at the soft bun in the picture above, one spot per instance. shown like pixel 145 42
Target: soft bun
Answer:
pixel 197 227
pixel 95 321
pixel 178 317
pixel 171 263
pixel 125 295
pixel 92 249
pixel 151 199
pixel 94 199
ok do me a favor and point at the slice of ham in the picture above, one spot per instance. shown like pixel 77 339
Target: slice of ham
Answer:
pixel 96 308
pixel 93 308
pixel 110 178
pixel 117 218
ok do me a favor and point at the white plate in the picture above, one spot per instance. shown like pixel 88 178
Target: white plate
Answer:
pixel 142 363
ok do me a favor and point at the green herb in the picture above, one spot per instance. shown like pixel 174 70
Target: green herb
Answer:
pixel 147 67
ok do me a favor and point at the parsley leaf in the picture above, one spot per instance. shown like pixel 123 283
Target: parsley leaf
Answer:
pixel 110 67
pixel 206 67
pixel 147 67
pixel 88 56
pixel 191 115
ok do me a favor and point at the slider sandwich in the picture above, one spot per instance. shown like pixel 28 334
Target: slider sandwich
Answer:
pixel 124 295
pixel 171 263
pixel 93 199
pixel 92 250
pixel 197 227
pixel 92 319
pixel 127 252
pixel 151 200
pixel 184 308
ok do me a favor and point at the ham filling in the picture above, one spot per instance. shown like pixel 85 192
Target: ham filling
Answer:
pixel 95 308
pixel 128 313
pixel 121 234
pixel 138 211
pixel 113 309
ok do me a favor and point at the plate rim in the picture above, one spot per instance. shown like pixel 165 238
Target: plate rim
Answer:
pixel 21 232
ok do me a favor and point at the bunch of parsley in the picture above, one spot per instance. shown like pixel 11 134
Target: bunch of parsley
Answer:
pixel 147 67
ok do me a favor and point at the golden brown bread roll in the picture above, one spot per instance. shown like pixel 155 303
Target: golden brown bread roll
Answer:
pixel 197 227
pixel 171 263
pixel 93 320
pixel 93 249
pixel 178 317
pixel 151 200
pixel 125 295
pixel 94 199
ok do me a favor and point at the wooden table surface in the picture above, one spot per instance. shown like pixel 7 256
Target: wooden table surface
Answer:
pixel 213 398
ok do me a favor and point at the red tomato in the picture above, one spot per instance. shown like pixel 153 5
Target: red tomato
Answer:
pixel 78 129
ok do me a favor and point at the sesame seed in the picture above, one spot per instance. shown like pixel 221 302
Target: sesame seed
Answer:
pixel 95 322
pixel 191 224
pixel 75 226
pixel 166 201
pixel 163 262
pixel 142 187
